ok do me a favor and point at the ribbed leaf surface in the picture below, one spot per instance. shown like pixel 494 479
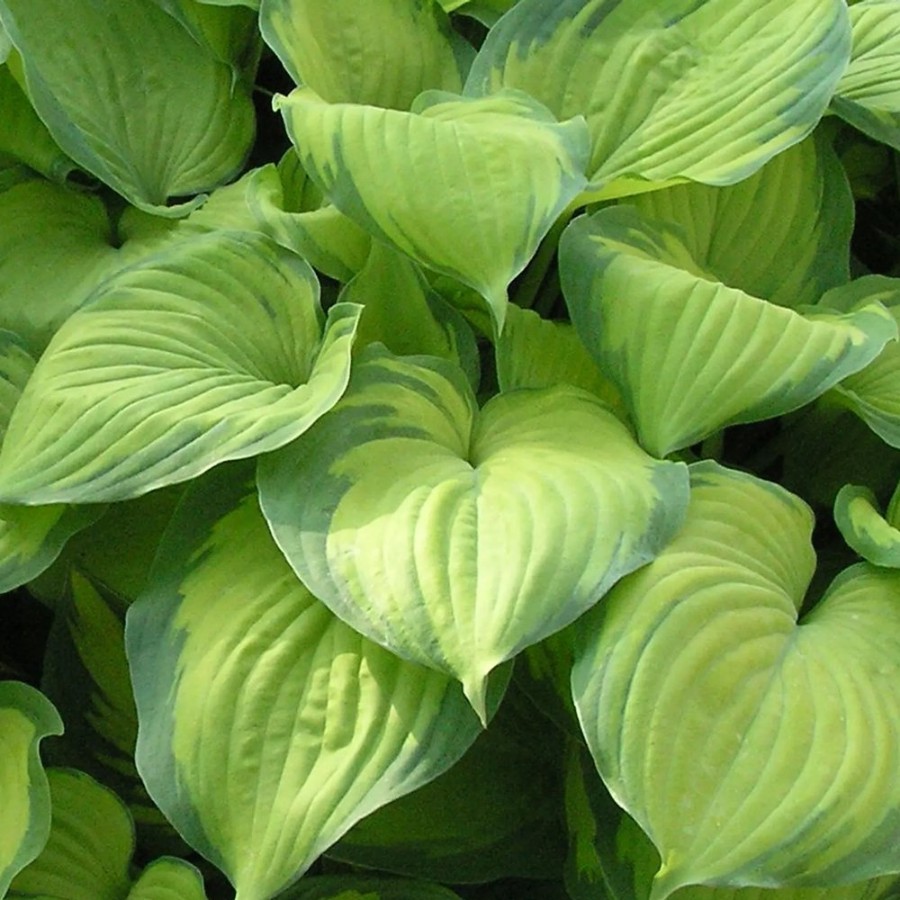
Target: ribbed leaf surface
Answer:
pixel 673 89
pixel 211 351
pixel 455 537
pixel 689 353
pixel 267 726
pixel 499 170
pixel 774 744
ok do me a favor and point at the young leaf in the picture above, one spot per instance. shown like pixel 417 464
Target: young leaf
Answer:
pixel 500 526
pixel 290 209
pixel 26 718
pixel 128 94
pixel 403 312
pixel 267 726
pixel 382 53
pixel 690 354
pixel 774 744
pixel 168 879
pixel 212 350
pixel 782 234
pixel 868 94
pixel 479 158
pixel 361 887
pixel 536 353
pixel 705 90
pixel 874 537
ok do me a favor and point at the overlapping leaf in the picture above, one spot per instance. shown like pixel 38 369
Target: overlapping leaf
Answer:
pixel 30 539
pixel 873 392
pixel 383 53
pixel 775 745
pixel 479 159
pixel 26 718
pixel 213 350
pixel 868 94
pixel 533 352
pixel 128 94
pixel 89 851
pixel 267 726
pixel 782 234
pixel 455 537
pixel 56 246
pixel 609 853
pixel 689 353
pixel 676 89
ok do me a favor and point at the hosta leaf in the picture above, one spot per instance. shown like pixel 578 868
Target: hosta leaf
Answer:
pixel 210 351
pixel 501 526
pixel 168 879
pixel 782 234
pixel 26 718
pixel 689 353
pixel 267 726
pixel 535 353
pixel 775 743
pixel 24 136
pixel 403 312
pixel 290 209
pixel 868 94
pixel 873 392
pixel 128 94
pixel 610 853
pixel 874 537
pixel 383 53
pixel 56 245
pixel 361 887
pixel 30 539
pixel 674 89
pixel 90 845
pixel 479 158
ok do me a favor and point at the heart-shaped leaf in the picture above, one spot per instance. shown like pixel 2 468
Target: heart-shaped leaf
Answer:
pixel 267 726
pixel 479 158
pixel 212 350
pixel 30 539
pixel 706 90
pixel 774 744
pixel 455 537
pixel 868 94
pixel 26 718
pixel 381 53
pixel 94 72
pixel 689 353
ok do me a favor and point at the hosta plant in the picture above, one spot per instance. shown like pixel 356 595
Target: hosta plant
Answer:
pixel 448 449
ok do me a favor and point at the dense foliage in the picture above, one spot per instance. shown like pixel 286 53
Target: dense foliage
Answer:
pixel 449 449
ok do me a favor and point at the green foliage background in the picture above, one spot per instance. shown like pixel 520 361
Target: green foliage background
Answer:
pixel 449 449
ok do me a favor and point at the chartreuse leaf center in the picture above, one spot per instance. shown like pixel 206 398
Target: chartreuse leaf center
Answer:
pixel 457 537
pixel 215 349
pixel 774 744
